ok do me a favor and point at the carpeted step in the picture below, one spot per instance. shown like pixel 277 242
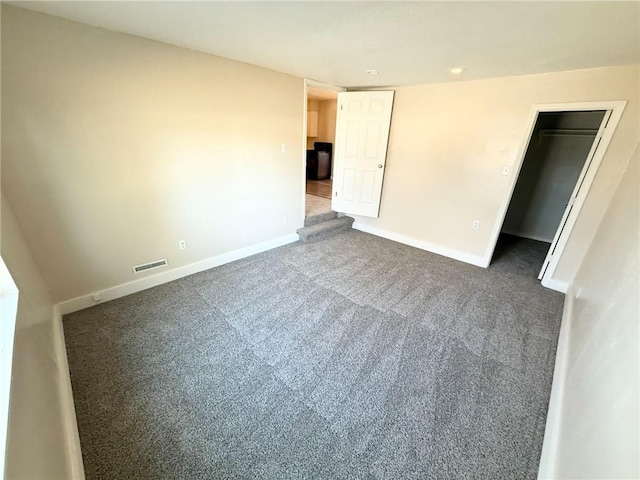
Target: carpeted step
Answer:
pixel 324 229
pixel 319 218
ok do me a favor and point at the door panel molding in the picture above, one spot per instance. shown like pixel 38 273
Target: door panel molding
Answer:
pixel 362 136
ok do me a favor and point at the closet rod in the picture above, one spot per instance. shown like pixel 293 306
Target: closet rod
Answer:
pixel 568 132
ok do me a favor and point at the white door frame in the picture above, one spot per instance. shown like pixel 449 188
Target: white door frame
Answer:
pixel 326 86
pixel 604 136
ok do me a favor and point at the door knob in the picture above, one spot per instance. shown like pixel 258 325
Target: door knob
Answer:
pixel 379 165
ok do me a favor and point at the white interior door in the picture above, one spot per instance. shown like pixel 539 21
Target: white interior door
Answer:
pixel 362 134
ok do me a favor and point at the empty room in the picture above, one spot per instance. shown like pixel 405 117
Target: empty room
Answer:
pixel 350 240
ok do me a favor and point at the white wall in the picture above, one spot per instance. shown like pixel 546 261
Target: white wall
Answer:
pixel 114 148
pixel 597 434
pixel 36 443
pixel 449 142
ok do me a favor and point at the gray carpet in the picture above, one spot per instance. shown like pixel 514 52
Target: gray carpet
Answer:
pixel 349 357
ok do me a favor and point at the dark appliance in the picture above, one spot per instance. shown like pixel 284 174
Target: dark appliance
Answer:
pixel 319 161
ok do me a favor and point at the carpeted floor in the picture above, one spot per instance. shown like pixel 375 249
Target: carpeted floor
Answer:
pixel 350 357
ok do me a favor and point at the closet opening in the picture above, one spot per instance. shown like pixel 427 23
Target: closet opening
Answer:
pixel 557 159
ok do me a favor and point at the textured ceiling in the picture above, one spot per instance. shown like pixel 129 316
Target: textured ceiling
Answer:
pixel 408 42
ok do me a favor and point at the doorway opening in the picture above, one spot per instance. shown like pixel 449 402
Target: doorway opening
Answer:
pixel 321 111
pixel 563 151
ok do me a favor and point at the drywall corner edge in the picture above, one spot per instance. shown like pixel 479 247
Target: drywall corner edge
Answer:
pixel 429 247
pixel 72 437
pixel 548 457
pixel 557 285
pixel 138 285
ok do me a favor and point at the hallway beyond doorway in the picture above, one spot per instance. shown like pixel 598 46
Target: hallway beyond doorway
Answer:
pixel 320 188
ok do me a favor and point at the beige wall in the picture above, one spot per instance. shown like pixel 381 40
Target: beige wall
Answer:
pixel 599 412
pixel 449 142
pixel 36 445
pixel 313 106
pixel 327 121
pixel 115 148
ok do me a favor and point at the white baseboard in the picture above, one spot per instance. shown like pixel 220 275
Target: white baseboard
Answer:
pixel 144 283
pixel 74 453
pixel 557 285
pixel 429 247
pixel 70 425
pixel 549 455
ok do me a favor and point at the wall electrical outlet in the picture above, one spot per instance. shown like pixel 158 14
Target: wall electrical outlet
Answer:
pixel 476 225
pixel 283 147
pixel 96 297
pixel 285 219
pixel 182 244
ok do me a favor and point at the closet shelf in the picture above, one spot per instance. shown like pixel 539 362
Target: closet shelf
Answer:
pixel 567 132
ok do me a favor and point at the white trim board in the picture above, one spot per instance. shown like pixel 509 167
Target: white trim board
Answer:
pixel 304 149
pixel 549 455
pixel 8 312
pixel 72 437
pixel 429 247
pixel 557 285
pixel 138 285
pixel 325 86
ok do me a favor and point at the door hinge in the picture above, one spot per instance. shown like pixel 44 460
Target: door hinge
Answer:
pixel 341 107
pixel 336 193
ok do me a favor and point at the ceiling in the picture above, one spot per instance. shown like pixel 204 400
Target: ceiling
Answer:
pixel 407 42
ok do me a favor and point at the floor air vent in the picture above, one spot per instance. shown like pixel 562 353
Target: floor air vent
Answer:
pixel 150 266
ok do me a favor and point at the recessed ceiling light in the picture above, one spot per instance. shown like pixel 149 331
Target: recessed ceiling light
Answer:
pixel 457 70
pixel 373 72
